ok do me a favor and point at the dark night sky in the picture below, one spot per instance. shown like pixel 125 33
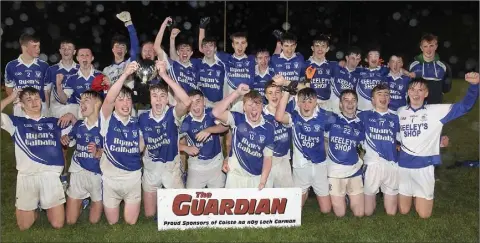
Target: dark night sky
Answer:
pixel 395 26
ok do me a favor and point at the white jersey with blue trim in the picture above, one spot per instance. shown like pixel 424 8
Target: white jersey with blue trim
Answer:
pixel 344 136
pixel 51 79
pixel 250 143
pixel 291 68
pixel 121 146
pixel 381 133
pixel 37 143
pixel 420 129
pixel 367 80
pixel 18 74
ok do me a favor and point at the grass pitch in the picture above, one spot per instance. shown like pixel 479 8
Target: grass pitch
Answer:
pixel 455 213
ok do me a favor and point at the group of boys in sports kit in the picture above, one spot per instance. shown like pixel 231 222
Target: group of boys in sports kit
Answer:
pixel 244 121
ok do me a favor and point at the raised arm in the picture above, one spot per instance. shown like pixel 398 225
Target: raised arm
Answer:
pixel 61 94
pixel 201 33
pixel 466 104
pixel 10 98
pixel 157 45
pixel 173 51
pixel 183 100
pixel 220 111
pixel 109 102
pixel 281 115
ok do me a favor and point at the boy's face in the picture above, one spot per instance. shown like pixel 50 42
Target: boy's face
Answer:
pixel 373 59
pixel 123 104
pixel 89 105
pixel 239 44
pixel 184 52
pixel 198 106
pixel 119 50
pixel 429 48
pixel 262 58
pixel 353 60
pixel 307 105
pixel 67 50
pixel 31 103
pixel 32 48
pixel 288 48
pixel 273 95
pixel 158 101
pixel 253 109
pixel 84 57
pixel 417 94
pixel 381 99
pixel 148 53
pixel 209 49
pixel 395 64
pixel 320 49
pixel 348 104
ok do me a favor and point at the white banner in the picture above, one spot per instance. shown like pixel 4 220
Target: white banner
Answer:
pixel 229 208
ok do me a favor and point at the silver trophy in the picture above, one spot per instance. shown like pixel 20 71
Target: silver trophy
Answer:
pixel 146 71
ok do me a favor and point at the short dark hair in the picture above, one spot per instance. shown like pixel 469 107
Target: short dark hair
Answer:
pixel 261 50
pixel 373 48
pixel 28 90
pixel 428 37
pixel 84 47
pixel 119 39
pixel 307 93
pixel 145 42
pixel 209 39
pixel 288 37
pixel 348 91
pixel 93 94
pixel 416 81
pixel 126 91
pixel 269 84
pixel 25 38
pixel 353 50
pixel 399 55
pixel 160 86
pixel 254 96
pixel 238 35
pixel 194 92
pixel 321 38
pixel 67 41
pixel 183 42
pixel 381 86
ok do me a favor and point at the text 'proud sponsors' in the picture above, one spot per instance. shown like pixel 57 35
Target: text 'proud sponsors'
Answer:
pixel 228 208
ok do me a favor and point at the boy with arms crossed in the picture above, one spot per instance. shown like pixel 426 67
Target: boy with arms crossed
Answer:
pixel 38 152
pixel 201 141
pixel 85 173
pixel 159 132
pixel 420 129
pixel 250 159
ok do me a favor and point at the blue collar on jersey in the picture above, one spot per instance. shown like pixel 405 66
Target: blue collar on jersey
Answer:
pixel 284 57
pixel 92 71
pixel 318 63
pixel 261 123
pixel 20 62
pixel 61 66
pixel 415 110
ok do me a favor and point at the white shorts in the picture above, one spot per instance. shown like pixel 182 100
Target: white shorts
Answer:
pixel 237 177
pixel 18 111
pixel 44 187
pixel 381 175
pixel 416 182
pixel 167 175
pixel 116 190
pixel 213 178
pixel 312 175
pixel 342 186
pixel 84 184
pixel 281 172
